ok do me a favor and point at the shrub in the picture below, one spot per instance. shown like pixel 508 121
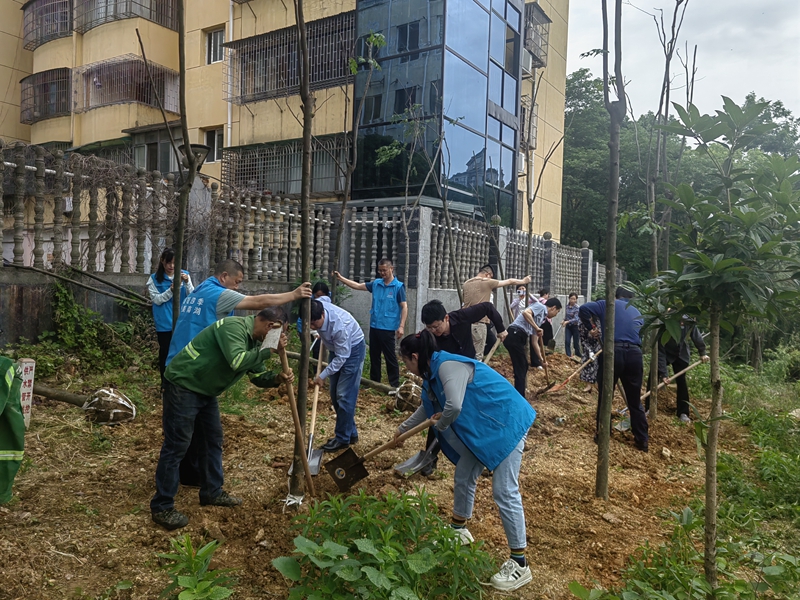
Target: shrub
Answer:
pixel 396 547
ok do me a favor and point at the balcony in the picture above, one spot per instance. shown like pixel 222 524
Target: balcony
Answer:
pixel 537 31
pixel 124 80
pixel 93 13
pixel 45 95
pixel 45 20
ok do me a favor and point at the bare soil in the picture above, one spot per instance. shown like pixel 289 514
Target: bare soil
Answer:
pixel 80 520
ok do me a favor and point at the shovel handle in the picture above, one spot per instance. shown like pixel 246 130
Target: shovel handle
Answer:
pixel 583 366
pixel 316 391
pixel 401 438
pixel 544 358
pixel 298 430
pixel 678 374
pixel 489 356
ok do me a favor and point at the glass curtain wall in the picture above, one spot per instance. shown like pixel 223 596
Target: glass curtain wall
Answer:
pixel 449 74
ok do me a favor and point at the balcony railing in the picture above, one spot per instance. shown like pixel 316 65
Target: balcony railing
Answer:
pixel 266 66
pixel 93 13
pixel 45 95
pixel 45 20
pixel 537 32
pixel 123 80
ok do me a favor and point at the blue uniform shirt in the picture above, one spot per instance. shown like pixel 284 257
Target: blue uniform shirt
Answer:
pixel 386 310
pixel 627 319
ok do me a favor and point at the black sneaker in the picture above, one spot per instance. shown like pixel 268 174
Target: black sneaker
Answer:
pixel 170 519
pixel 224 499
pixel 641 446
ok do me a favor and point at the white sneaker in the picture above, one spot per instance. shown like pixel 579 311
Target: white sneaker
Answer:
pixel 465 535
pixel 684 419
pixel 511 576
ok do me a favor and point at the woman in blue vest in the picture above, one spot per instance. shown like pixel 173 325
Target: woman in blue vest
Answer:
pixel 159 286
pixel 480 422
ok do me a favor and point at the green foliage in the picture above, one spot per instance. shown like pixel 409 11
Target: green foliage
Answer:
pixel 81 333
pixel 394 547
pixel 188 569
pixel 372 43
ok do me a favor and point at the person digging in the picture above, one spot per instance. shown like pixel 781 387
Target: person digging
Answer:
pixel 218 357
pixel 480 422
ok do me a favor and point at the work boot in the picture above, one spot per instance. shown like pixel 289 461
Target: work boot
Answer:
pixel 224 499
pixel 170 519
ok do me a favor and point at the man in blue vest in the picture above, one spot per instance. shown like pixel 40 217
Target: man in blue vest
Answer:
pixel 387 319
pixel 210 301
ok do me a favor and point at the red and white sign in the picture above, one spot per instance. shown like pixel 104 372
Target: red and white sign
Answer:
pixel 28 366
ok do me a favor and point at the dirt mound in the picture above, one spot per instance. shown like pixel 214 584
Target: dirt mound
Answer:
pixel 80 520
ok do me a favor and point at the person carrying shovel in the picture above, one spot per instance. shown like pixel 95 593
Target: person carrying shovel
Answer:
pixel 210 364
pixel 528 324
pixel 480 422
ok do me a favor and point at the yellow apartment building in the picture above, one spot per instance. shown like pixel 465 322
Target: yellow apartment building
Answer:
pixel 454 85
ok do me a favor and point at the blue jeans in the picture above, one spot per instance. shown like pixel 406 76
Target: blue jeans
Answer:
pixel 572 334
pixel 344 393
pixel 505 488
pixel 185 412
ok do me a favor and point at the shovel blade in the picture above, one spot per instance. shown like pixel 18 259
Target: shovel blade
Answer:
pixel 418 462
pixel 315 461
pixel 346 469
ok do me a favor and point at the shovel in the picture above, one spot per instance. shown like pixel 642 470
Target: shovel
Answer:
pixel 419 461
pixel 315 454
pixel 348 468
pixel 546 372
pixel 563 384
pixel 671 379
pixel 489 356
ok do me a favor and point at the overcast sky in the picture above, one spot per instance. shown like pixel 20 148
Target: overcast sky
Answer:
pixel 742 46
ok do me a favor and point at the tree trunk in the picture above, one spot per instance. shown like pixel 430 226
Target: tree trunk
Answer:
pixel 710 555
pixel 186 186
pixel 617 111
pixel 297 483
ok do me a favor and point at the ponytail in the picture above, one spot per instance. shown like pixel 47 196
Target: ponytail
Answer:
pixel 423 344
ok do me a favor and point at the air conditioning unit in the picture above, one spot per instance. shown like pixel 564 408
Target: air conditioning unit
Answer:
pixel 527 63
pixel 522 163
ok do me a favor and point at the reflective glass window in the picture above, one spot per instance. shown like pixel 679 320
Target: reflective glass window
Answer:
pixel 495 84
pixel 509 93
pixel 507 173
pixel 513 16
pixel 404 98
pixel 505 208
pixel 484 3
pixel 468 31
pixel 493 163
pixel 493 128
pixel 462 155
pixel 498 39
pixel 408 39
pixel 511 60
pixel 508 135
pixel 464 93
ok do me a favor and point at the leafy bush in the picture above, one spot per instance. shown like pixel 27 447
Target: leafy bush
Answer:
pixel 189 572
pixel 396 547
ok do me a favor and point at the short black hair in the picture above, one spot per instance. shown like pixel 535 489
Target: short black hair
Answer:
pixel 544 292
pixel 317 310
pixel 487 268
pixel 553 302
pixel 571 294
pixel 385 261
pixel 275 314
pixel 623 293
pixel 229 266
pixel 321 286
pixel 433 311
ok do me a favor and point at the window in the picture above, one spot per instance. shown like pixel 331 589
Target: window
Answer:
pixel 93 13
pixel 153 151
pixel 46 20
pixel 404 98
pixel 373 109
pixel 363 51
pixel 537 31
pixel 215 139
pixel 45 95
pixel 408 40
pixel 214 50
pixel 435 97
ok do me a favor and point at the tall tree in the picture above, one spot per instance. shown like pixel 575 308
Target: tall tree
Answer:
pixel 617 109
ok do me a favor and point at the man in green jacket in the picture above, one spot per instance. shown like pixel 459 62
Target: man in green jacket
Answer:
pixel 12 427
pixel 211 363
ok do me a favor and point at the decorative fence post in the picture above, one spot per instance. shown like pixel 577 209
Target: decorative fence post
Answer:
pixel 270 239
pixel 38 217
pixel 549 261
pixel 351 264
pixel 293 240
pixel 258 243
pixel 141 219
pixel 111 215
pixel 19 202
pixel 159 220
pixel 92 254
pixel 75 224
pixel 283 247
pixel 169 201
pixel 326 244
pixel 246 228
pixel 58 210
pixel 434 268
pixel 127 199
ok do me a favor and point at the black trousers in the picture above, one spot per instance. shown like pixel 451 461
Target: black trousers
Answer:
pixel 515 344
pixel 382 342
pixel 628 370
pixel 547 332
pixel 491 338
pixel 683 388
pixel 164 339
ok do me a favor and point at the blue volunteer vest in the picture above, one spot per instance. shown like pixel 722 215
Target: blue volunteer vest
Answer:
pixel 162 313
pixel 493 419
pixel 198 311
pixel 385 311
